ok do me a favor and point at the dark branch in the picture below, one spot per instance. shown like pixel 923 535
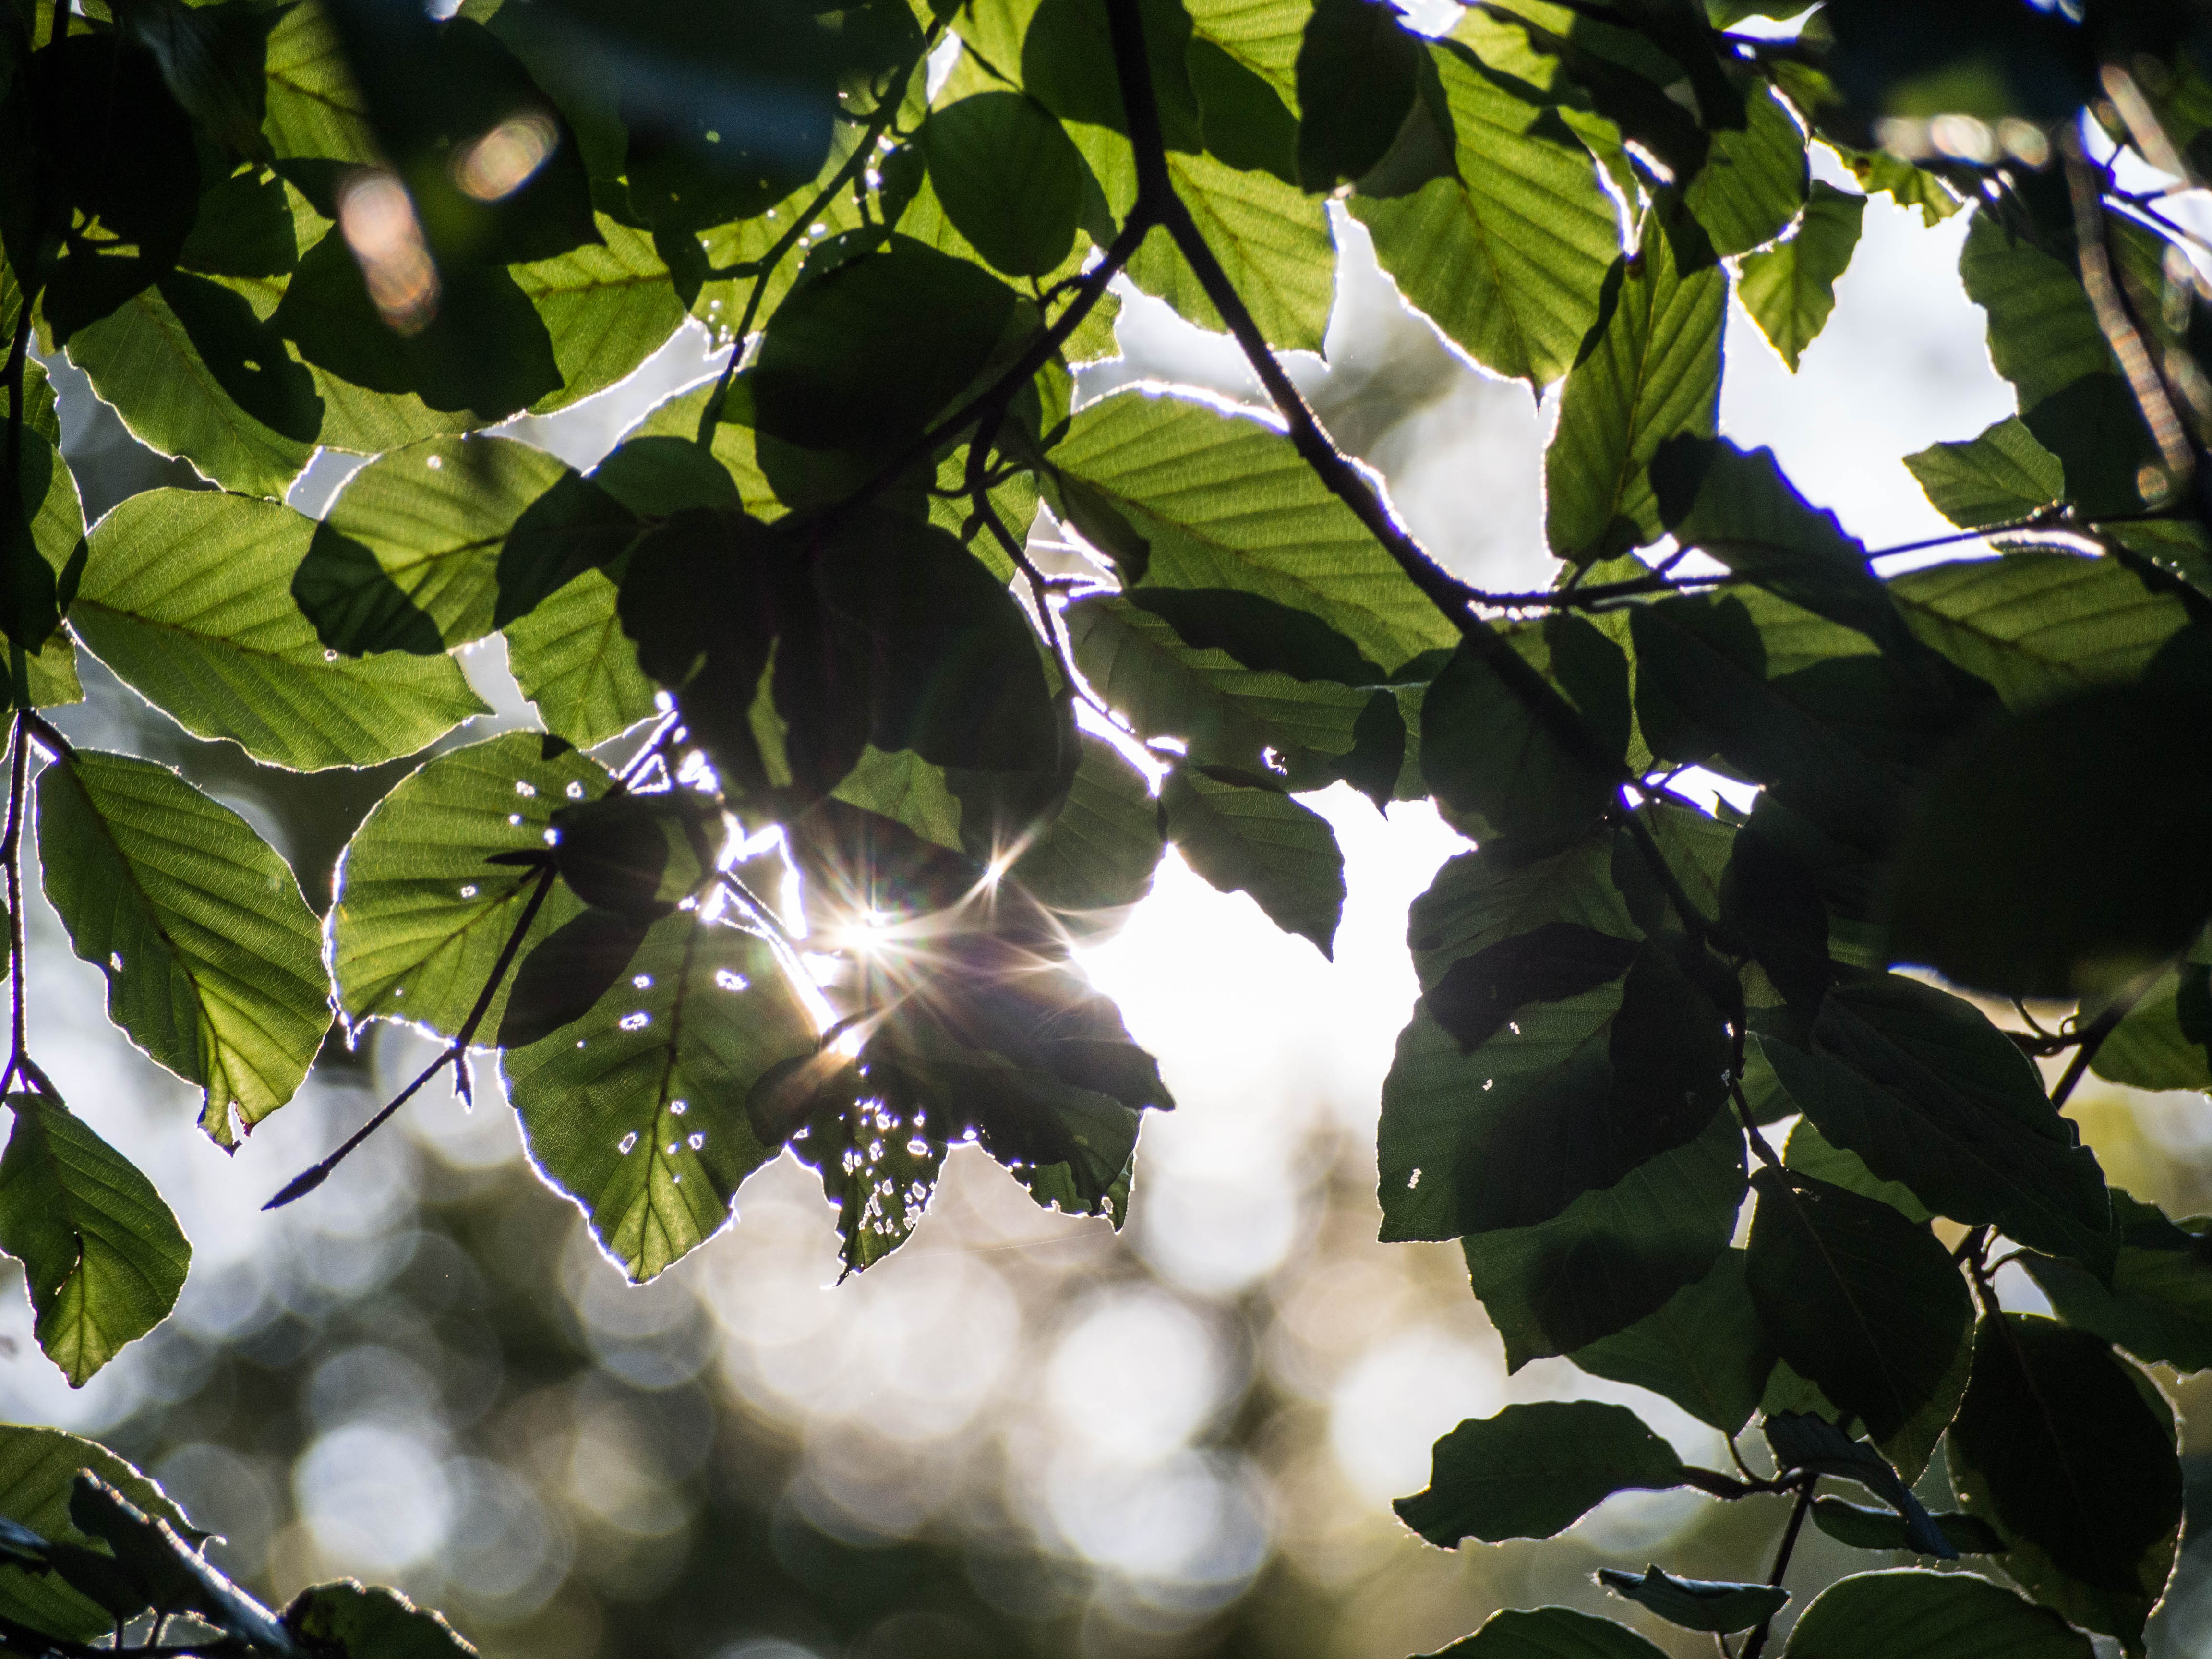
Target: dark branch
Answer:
pixel 456 1054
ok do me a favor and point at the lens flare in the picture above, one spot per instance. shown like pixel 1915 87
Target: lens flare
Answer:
pixel 499 162
pixel 377 218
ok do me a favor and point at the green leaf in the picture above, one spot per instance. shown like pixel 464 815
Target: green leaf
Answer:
pixel 166 1568
pixel 643 1120
pixel 1790 290
pixel 37 1474
pixel 2025 805
pixel 1358 73
pixel 908 789
pixel 211 955
pixel 1910 1611
pixel 1479 899
pixel 373 1622
pixel 1534 1470
pixel 2039 626
pixel 1509 257
pixel 172 362
pixel 1652 371
pixel 1858 1300
pixel 2158 1305
pixel 1258 840
pixel 1515 771
pixel 1549 1633
pixel 2161 1043
pixel 1611 1257
pixel 1571 1096
pixel 408 557
pixel 187 596
pixel 1224 713
pixel 1879 1529
pixel 1183 495
pixel 1755 178
pixel 420 916
pixel 2070 1451
pixel 571 658
pixel 1930 1094
pixel 1804 1441
pixel 1011 179
pixel 1810 1152
pixel 821 358
pixel 1737 506
pixel 1705 1349
pixel 1696 1603
pixel 606 307
pixel 2001 477
pixel 1241 62
pixel 2043 332
pixel 103 1256
pixel 1272 240
pixel 1097 857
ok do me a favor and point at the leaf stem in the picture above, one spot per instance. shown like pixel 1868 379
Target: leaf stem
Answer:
pixel 1756 1644
pixel 456 1054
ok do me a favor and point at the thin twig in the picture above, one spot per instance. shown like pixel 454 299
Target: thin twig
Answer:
pixel 864 152
pixel 456 1054
pixel 2092 1038
pixel 1756 1644
pixel 11 855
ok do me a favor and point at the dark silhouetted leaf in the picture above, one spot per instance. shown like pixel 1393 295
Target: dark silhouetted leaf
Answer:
pixel 1696 1603
pixel 1533 1470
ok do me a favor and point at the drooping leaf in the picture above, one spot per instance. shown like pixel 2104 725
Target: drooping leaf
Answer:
pixel 1864 1529
pixel 1857 1299
pixel 103 1256
pixel 1755 178
pixel 1258 840
pixel 1807 1442
pixel 2039 626
pixel 1611 1257
pixel 1507 258
pixel 1790 290
pixel 210 953
pixel 1097 857
pixel 571 657
pixel 420 916
pixel 1225 713
pixel 1654 372
pixel 1930 1094
pixel 1696 1603
pixel 1183 496
pixel 2158 1305
pixel 2001 477
pixel 1908 1612
pixel 638 1112
pixel 1565 1093
pixel 2161 1041
pixel 165 1567
pixel 1531 750
pixel 1705 1349
pixel 1533 1470
pixel 2070 1452
pixel 1813 1153
pixel 408 557
pixel 187 596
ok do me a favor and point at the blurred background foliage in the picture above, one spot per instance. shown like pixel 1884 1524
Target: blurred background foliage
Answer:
pixel 1023 1434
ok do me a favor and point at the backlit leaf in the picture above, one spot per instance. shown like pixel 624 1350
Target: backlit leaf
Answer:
pixel 1533 1470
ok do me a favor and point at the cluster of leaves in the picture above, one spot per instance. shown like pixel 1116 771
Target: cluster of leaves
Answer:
pixel 90 1548
pixel 804 590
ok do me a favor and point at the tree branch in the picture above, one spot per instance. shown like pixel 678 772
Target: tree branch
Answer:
pixel 11 855
pixel 1757 1642
pixel 456 1054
